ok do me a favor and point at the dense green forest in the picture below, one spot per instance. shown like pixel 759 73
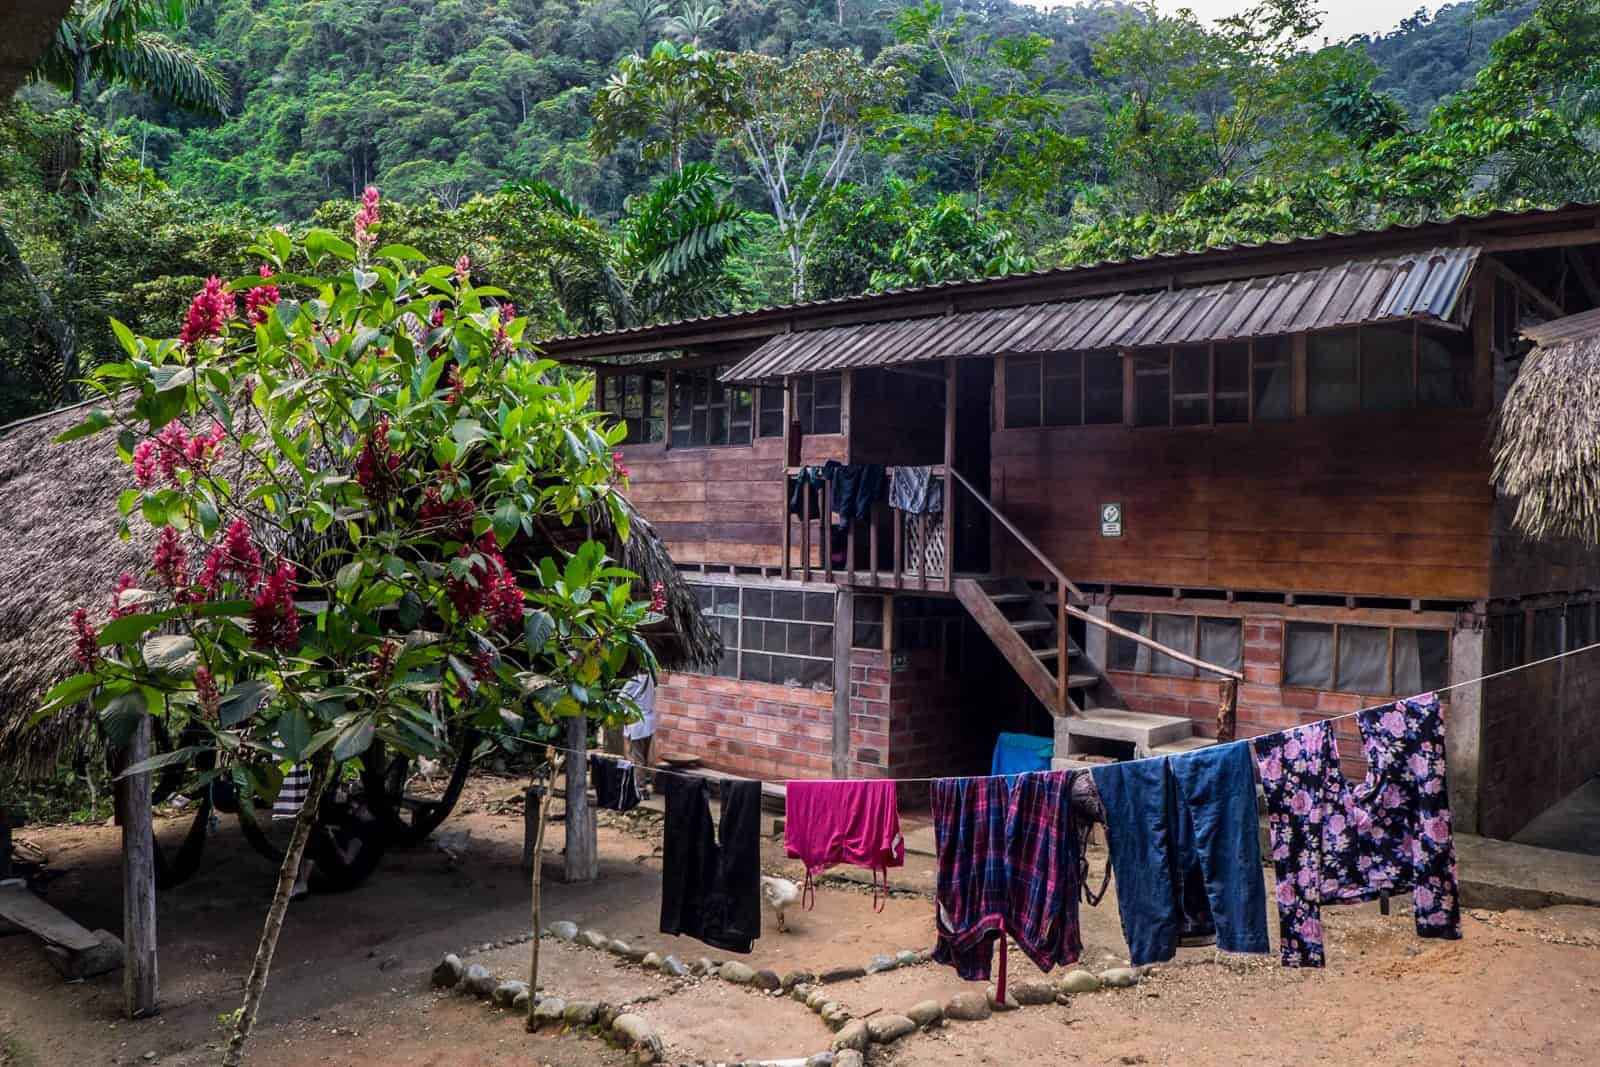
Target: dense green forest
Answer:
pixel 612 162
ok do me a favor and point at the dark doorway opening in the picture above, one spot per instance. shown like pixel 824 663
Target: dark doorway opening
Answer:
pixel 974 397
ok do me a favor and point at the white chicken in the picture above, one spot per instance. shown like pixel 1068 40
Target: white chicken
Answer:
pixel 779 894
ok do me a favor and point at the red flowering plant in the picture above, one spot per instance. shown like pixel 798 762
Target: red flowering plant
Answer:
pixel 353 474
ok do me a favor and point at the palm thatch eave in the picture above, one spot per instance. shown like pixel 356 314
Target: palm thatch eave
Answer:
pixel 59 550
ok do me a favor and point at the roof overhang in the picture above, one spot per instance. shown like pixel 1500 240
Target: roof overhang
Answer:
pixel 1427 285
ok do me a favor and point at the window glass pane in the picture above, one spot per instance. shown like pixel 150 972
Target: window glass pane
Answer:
pixel 740 401
pixel 788 604
pixel 1022 391
pixel 1547 632
pixel 828 390
pixel 868 618
pixel 1130 655
pixel 1363 659
pixel 1386 368
pixel 769 422
pixel 1222 642
pixel 1102 389
pixel 1191 370
pixel 1308 655
pixel 1272 359
pixel 1421 660
pixel 1579 632
pixel 728 664
pixel 1231 365
pixel 1331 372
pixel 822 641
pixel 1446 361
pixel 758 603
pixel 757 667
pixel 1174 631
pixel 1063 389
pixel 816 674
pixel 819 607
pixel 1152 391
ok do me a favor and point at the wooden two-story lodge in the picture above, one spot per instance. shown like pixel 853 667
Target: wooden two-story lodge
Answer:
pixel 1237 489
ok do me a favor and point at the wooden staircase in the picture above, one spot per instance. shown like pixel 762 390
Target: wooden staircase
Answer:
pixel 1090 719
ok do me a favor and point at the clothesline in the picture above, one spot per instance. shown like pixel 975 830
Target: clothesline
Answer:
pixel 944 777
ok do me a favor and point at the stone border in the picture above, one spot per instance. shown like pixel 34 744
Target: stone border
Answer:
pixel 852 1037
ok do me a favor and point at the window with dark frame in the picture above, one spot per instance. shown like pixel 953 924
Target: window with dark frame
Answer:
pixel 1152 389
pixel 1548 632
pixel 769 409
pixel 867 622
pixel 1063 389
pixel 1388 368
pixel 1211 385
pixel 1371 660
pixel 637 400
pixel 705 411
pixel 775 635
pixel 818 403
pixel 1213 639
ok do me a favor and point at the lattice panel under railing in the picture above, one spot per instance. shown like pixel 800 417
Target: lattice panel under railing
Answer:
pixel 925 546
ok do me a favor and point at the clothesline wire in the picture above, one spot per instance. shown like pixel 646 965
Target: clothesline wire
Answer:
pixel 690 772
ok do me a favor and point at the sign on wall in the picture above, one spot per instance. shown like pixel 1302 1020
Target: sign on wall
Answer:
pixel 1110 520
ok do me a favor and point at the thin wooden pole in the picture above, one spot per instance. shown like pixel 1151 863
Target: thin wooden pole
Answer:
pixel 139 977
pixel 805 530
pixel 949 465
pixel 789 486
pixel 583 858
pixel 552 768
pixel 825 532
pixel 1227 711
pixel 872 541
pixel 1063 669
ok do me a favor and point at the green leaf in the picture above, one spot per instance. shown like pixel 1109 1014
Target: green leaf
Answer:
pixel 507 520
pixel 399 251
pixel 172 654
pixel 125 338
pixel 71 690
pixel 294 729
pixel 241 702
pixel 164 759
pixel 353 740
pixel 97 420
pixel 121 717
pixel 286 312
pixel 349 575
pixel 410 611
pixel 537 627
pixel 130 628
pixel 466 433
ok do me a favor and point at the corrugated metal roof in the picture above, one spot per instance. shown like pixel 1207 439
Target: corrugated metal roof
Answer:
pixel 1418 284
pixel 1579 327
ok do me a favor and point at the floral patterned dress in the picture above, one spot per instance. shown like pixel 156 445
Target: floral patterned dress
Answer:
pixel 1339 842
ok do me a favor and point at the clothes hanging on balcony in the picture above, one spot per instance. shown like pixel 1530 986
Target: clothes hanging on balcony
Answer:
pixel 807 482
pixel 711 878
pixel 855 486
pixel 1185 850
pixel 1339 842
pixel 1007 867
pixel 616 784
pixel 1020 753
pixel 827 823
pixel 916 491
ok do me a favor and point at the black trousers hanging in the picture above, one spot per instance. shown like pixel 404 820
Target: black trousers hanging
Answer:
pixel 711 889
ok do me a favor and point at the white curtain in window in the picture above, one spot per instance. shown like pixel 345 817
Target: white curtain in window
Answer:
pixel 1308 655
pixel 1363 659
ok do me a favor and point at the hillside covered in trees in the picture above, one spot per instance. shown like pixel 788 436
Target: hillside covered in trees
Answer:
pixel 612 162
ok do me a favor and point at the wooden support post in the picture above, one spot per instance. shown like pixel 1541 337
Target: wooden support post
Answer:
pixel 1063 666
pixel 139 983
pixel 805 531
pixel 826 533
pixel 583 857
pixel 949 483
pixel 5 845
pixel 532 816
pixel 1228 711
pixel 898 520
pixel 872 541
pixel 788 524
pixel 843 641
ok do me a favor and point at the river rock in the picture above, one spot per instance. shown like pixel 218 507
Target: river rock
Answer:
pixel 618 947
pixel 1078 980
pixel 797 978
pixel 768 980
pixel 842 974
pixel 563 931
pixel 968 1006
pixel 848 1058
pixel 879 964
pixel 703 965
pixel 853 1035
pixel 594 939
pixel 1032 992
pixel 448 974
pixel 834 1015
pixel 652 960
pixel 821 1059
pixel 1119 977
pixel 548 1010
pixel 581 1012
pixel 478 981
pixel 736 972
pixel 925 1012
pixel 887 1029
pixel 505 994
pixel 996 1004
pixel 905 957
pixel 673 967
pixel 520 1004
pixel 635 1031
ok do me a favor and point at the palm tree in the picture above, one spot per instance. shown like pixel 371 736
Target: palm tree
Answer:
pixel 669 256
pixel 694 20
pixel 115 41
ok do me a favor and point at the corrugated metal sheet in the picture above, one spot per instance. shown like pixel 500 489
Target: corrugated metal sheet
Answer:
pixel 1420 284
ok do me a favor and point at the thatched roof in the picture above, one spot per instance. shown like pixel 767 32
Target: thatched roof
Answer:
pixel 1547 433
pixel 30 24
pixel 59 550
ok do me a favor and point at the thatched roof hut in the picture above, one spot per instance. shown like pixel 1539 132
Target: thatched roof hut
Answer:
pixel 59 550
pixel 1547 433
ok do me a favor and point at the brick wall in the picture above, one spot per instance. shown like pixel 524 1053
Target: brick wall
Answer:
pixel 1540 740
pixel 763 731
pixel 1264 706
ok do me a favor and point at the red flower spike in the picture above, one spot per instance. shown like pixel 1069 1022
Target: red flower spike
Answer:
pixel 658 598
pixel 274 623
pixel 206 694
pixel 170 562
pixel 144 464
pixel 259 301
pixel 86 650
pixel 366 218
pixel 209 313
pixel 124 583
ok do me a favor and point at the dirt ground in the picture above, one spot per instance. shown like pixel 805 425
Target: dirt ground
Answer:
pixel 350 984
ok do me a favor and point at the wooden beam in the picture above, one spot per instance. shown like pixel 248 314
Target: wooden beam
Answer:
pixel 1580 270
pixel 139 972
pixel 583 856
pixel 950 401
pixel 843 641
pixel 1531 291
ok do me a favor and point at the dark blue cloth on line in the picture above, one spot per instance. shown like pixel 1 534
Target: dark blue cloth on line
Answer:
pixel 1185 850
pixel 1021 753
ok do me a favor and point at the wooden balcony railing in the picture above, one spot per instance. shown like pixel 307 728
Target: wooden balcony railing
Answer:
pixel 890 549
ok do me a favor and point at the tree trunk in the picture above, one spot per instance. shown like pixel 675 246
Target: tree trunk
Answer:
pixel 583 860
pixel 139 984
pixel 61 330
pixel 257 983
pixel 552 768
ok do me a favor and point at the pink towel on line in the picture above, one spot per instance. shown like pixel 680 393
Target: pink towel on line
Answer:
pixel 834 822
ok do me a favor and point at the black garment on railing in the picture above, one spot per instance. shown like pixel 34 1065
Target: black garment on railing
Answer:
pixel 711 888
pixel 808 480
pixel 855 487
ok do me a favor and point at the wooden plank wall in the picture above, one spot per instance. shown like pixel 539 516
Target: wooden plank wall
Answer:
pixel 1382 504
pixel 720 505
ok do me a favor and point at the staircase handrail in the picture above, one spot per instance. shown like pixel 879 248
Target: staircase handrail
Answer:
pixel 1065 589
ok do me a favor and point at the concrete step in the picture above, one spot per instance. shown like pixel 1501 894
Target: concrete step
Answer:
pixel 1187 744
pixel 1144 731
